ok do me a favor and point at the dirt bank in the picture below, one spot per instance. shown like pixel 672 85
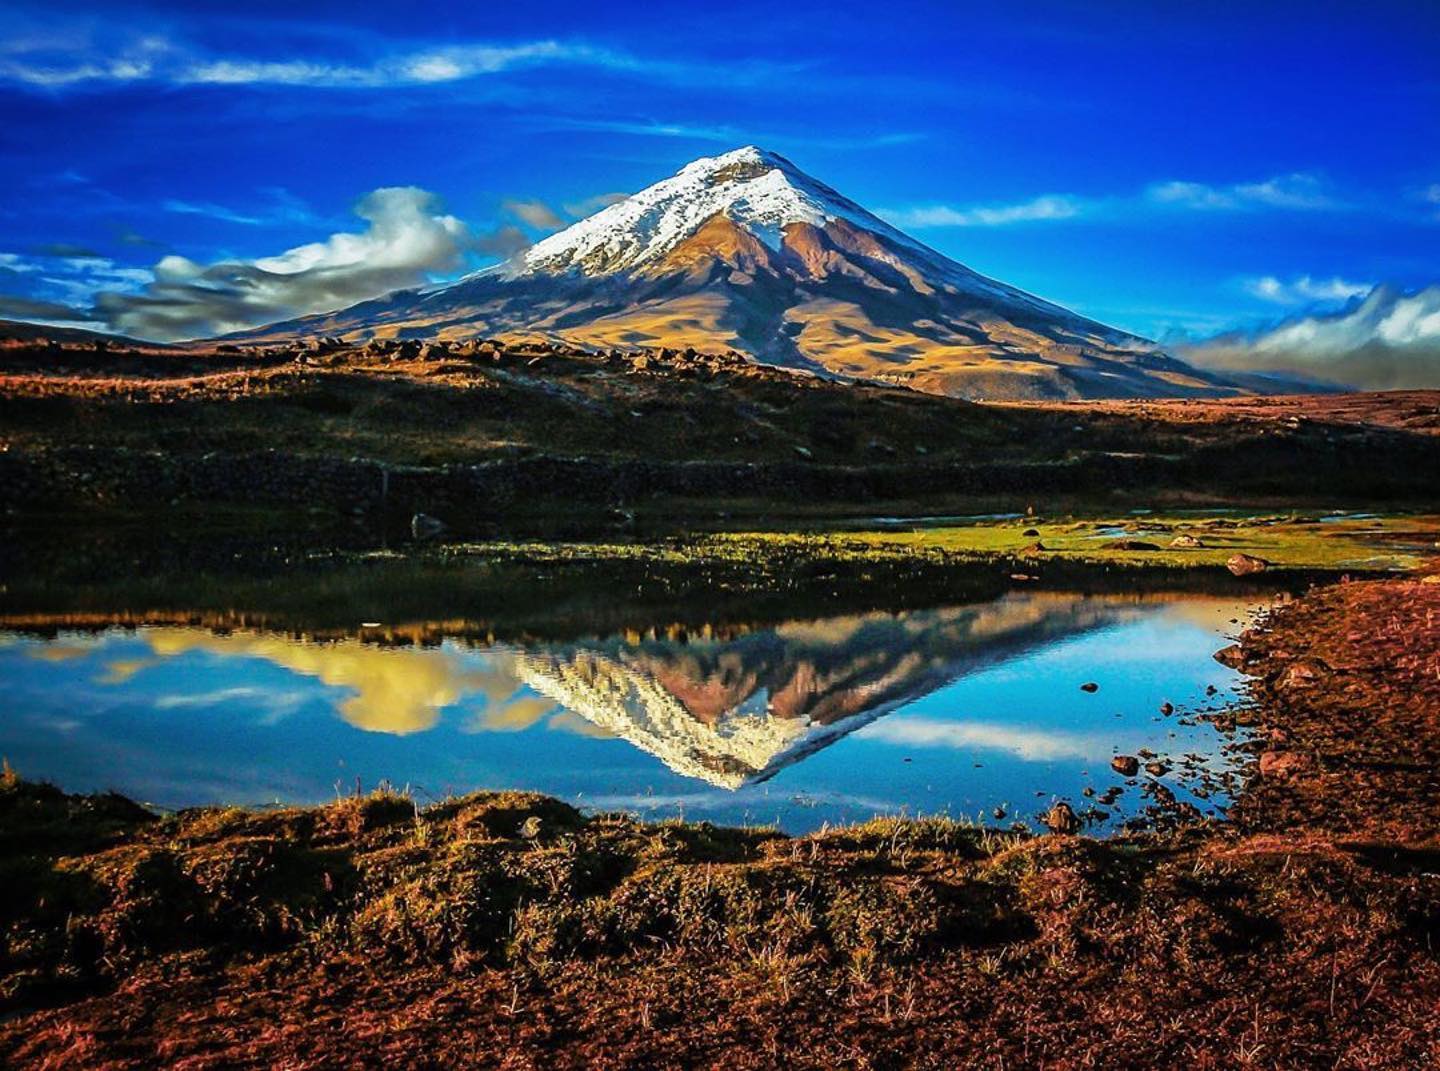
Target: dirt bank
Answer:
pixel 1347 691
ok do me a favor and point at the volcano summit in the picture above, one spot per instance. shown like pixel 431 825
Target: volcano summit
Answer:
pixel 745 251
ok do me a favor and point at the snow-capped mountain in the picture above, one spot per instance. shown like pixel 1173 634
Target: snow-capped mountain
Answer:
pixel 759 191
pixel 745 251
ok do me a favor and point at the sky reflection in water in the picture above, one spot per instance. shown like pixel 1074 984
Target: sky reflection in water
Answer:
pixel 955 710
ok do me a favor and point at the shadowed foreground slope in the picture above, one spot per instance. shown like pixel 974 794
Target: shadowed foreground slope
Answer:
pixel 489 437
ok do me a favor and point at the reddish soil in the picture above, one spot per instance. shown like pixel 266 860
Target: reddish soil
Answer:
pixel 1348 686
pixel 1401 410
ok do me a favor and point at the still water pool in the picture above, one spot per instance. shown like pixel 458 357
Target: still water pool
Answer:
pixel 968 710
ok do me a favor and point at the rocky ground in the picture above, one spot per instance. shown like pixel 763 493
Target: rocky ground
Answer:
pixel 511 931
pixel 1347 687
pixel 491 437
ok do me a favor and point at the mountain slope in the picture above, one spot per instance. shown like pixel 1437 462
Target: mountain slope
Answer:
pixel 744 251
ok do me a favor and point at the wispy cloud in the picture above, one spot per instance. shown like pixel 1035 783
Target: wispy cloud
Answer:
pixel 21 308
pixel 535 213
pixel 641 127
pixel 283 210
pixel 724 134
pixel 154 58
pixel 1305 289
pixel 64 283
pixel 65 249
pixel 1047 207
pixel 590 205
pixel 14 263
pixel 1430 195
pixel 208 210
pixel 1299 191
pixel 59 62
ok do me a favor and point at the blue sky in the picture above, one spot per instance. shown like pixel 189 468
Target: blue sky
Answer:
pixel 1171 169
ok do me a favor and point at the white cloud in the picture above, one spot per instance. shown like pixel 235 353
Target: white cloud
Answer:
pixel 62 64
pixel 426 67
pixel 1295 192
pixel 1390 340
pixel 1387 317
pixel 1305 288
pixel 1048 207
pixel 1299 191
pixel 1030 745
pixel 408 240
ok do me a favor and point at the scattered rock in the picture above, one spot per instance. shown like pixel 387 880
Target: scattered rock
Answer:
pixel 999 813
pixel 1246 564
pixel 1232 656
pixel 1283 764
pixel 1167 708
pixel 1185 542
pixel 1125 765
pixel 1031 532
pixel 1160 794
pixel 1302 674
pixel 1033 548
pixel 1089 686
pixel 1157 768
pixel 1130 544
pixel 1061 819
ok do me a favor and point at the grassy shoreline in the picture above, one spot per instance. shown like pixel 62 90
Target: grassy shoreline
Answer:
pixel 1300 932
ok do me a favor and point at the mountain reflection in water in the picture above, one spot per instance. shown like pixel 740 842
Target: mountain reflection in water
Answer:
pixel 731 708
pixel 735 711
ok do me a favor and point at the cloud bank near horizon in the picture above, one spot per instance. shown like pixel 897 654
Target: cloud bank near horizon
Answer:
pixel 410 242
pixel 409 239
pixel 1387 340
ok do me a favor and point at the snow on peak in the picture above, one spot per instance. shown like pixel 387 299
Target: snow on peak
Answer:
pixel 759 190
